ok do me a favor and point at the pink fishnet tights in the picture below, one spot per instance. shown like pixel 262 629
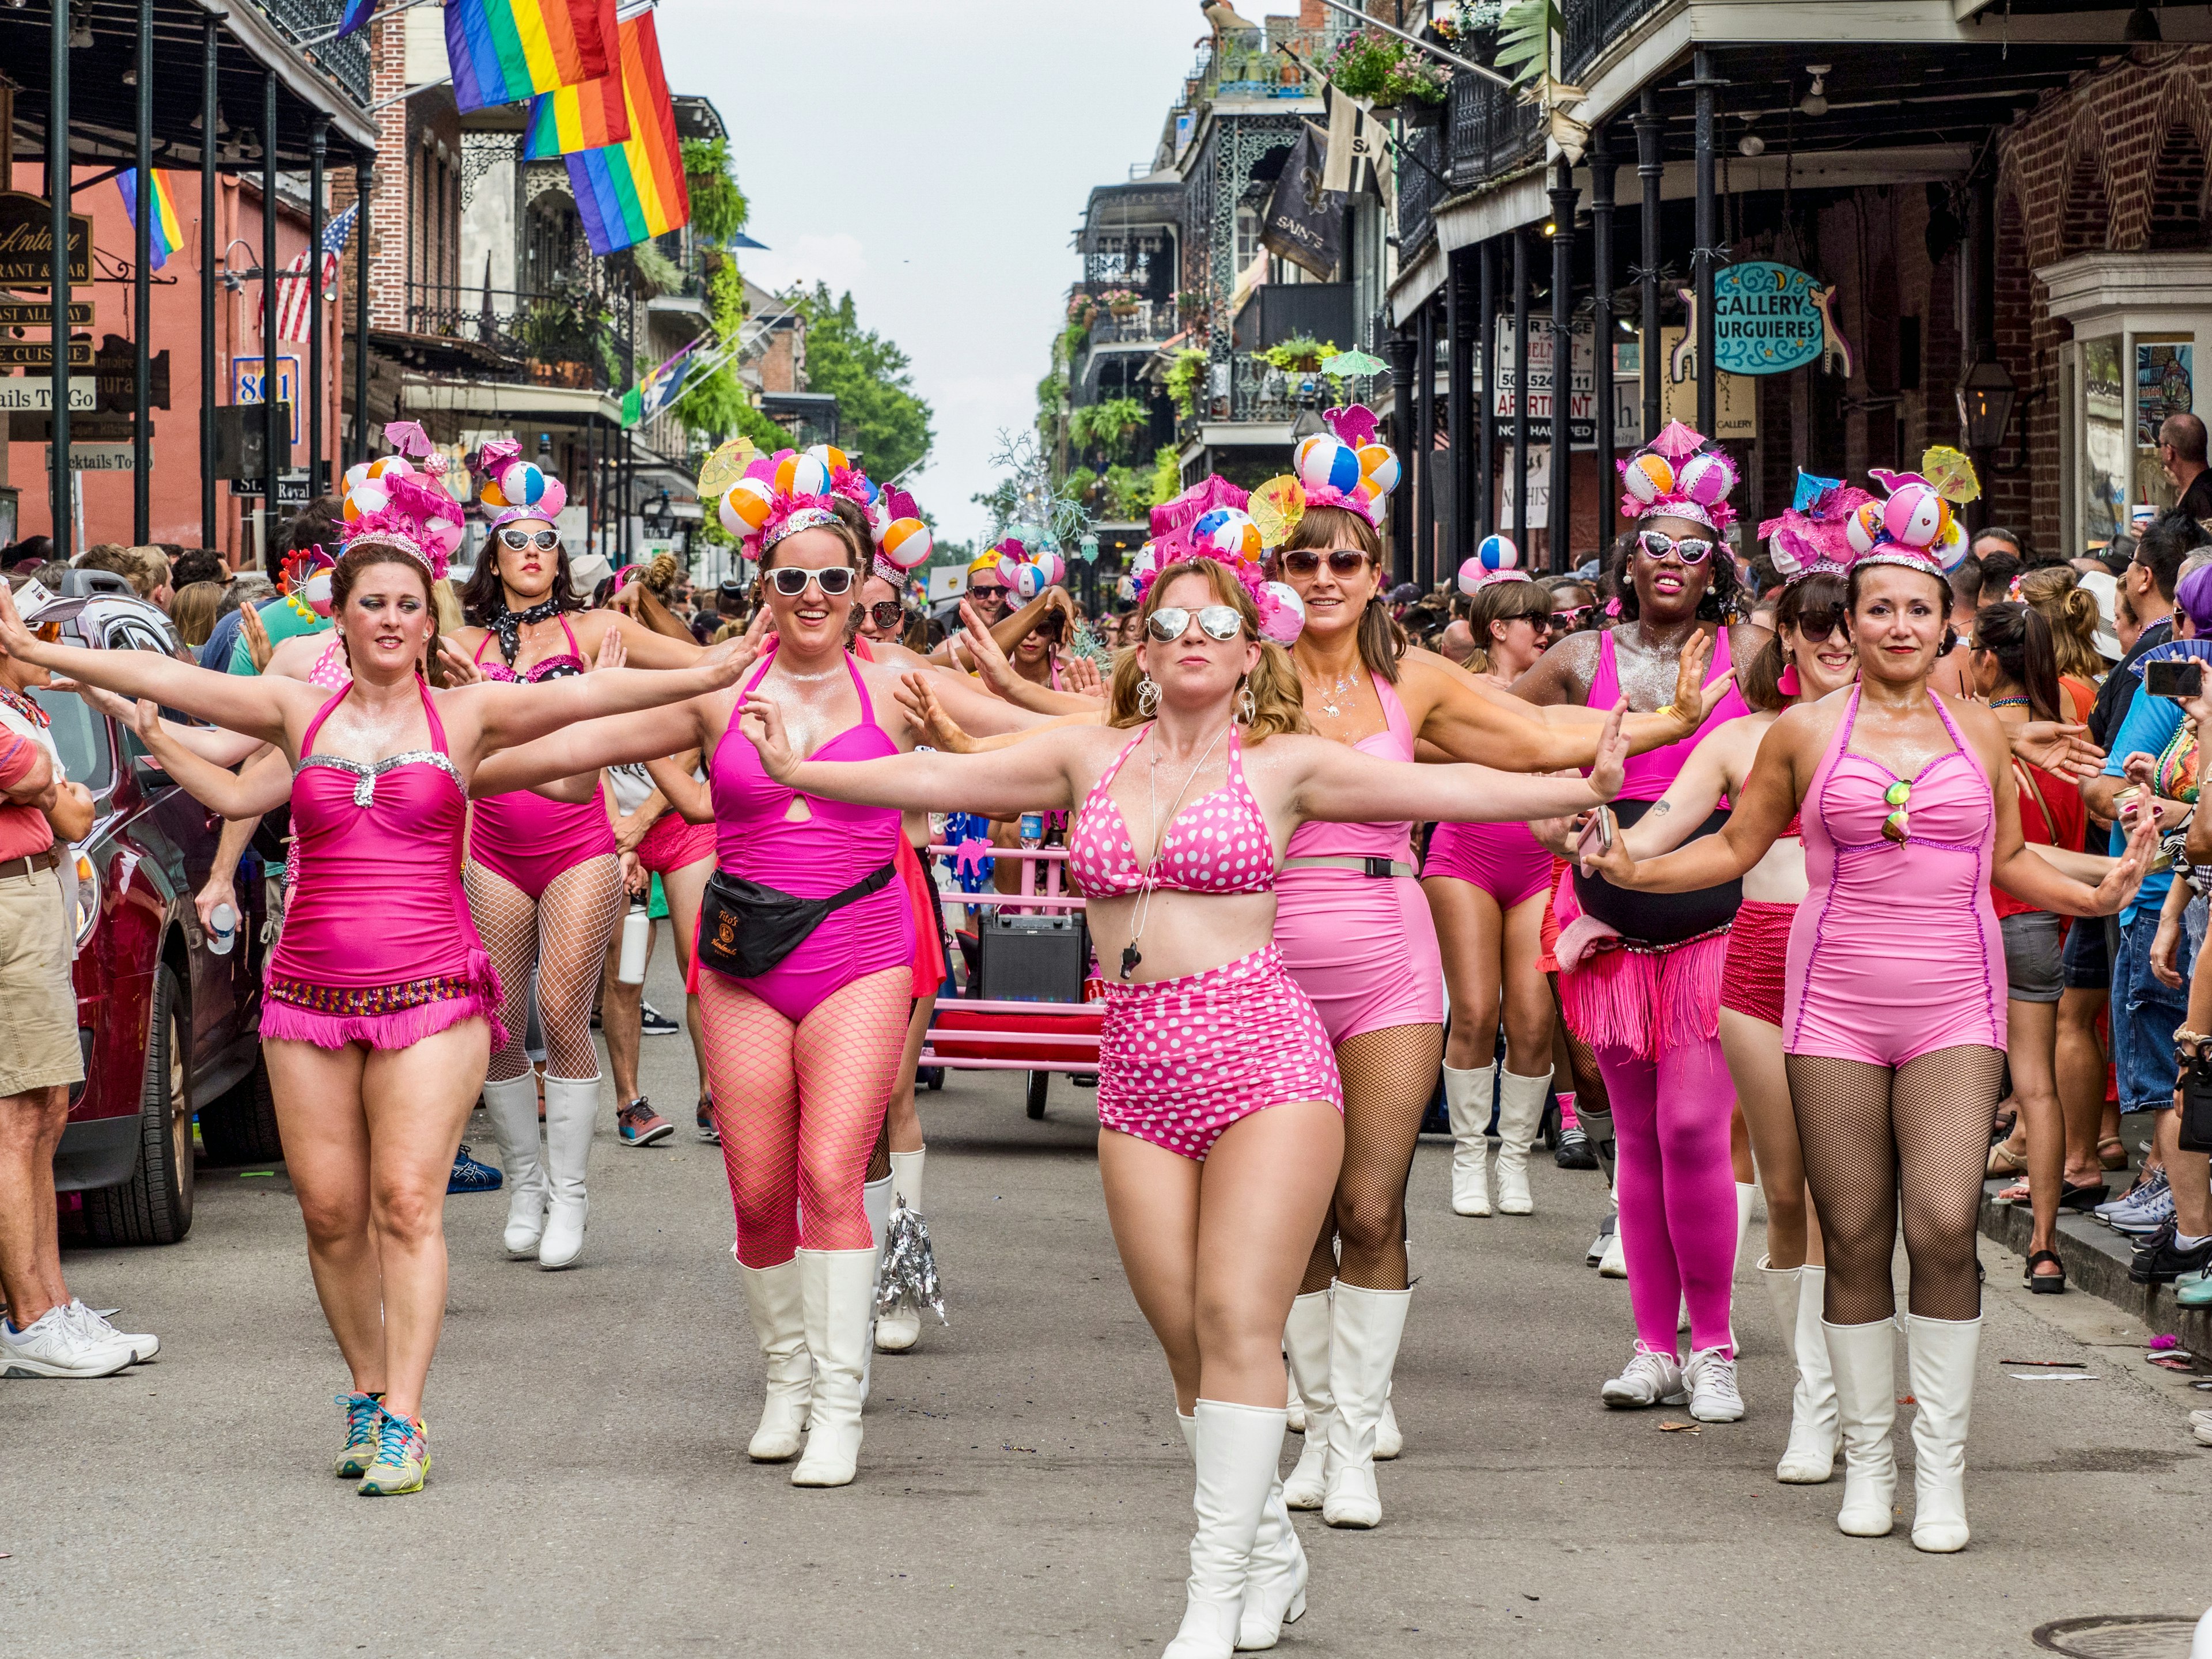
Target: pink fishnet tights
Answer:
pixel 564 935
pixel 800 1107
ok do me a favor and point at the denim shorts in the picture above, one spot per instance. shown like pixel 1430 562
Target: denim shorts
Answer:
pixel 2145 1014
pixel 2086 961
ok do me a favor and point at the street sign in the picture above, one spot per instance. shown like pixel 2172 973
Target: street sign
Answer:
pixel 40 394
pixel 246 375
pixel 26 242
pixel 115 366
pixel 40 354
pixel 102 457
pixel 40 313
pixel 291 487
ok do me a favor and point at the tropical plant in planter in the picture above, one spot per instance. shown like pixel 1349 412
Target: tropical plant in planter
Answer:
pixel 1109 424
pixel 1302 354
pixel 1387 73
pixel 1185 377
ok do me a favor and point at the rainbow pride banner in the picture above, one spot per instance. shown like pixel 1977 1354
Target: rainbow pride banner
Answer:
pixel 570 118
pixel 634 191
pixel 502 51
pixel 167 233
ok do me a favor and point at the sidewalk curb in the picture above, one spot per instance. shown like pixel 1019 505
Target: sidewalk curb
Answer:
pixel 2097 1260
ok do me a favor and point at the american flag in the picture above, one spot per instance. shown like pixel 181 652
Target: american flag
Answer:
pixel 293 289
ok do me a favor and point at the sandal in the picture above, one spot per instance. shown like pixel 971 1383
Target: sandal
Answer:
pixel 2003 1161
pixel 2086 1197
pixel 2046 1284
pixel 2113 1153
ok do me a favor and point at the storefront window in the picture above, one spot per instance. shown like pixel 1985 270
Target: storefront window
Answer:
pixel 2163 387
pixel 2105 444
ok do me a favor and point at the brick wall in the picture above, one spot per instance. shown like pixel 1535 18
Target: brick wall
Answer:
pixel 388 207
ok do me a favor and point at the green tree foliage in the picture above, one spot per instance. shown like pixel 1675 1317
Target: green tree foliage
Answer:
pixel 878 413
pixel 719 208
pixel 715 405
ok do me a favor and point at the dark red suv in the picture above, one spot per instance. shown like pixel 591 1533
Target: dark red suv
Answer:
pixel 169 1029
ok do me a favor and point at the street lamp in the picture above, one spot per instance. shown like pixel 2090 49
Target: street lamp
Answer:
pixel 1985 403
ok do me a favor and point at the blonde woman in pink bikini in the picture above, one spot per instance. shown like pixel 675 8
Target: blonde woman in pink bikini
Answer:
pixel 1212 1059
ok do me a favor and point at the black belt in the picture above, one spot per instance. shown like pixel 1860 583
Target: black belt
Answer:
pixel 31 864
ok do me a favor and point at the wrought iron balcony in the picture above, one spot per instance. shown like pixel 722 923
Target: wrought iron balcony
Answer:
pixel 1278 62
pixel 346 60
pixel 1592 25
pixel 576 337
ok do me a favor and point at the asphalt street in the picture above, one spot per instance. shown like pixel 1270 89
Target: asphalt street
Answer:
pixel 1023 1489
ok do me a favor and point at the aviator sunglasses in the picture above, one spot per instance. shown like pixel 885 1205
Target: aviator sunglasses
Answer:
pixel 886 614
pixel 1342 561
pixel 1690 550
pixel 1217 622
pixel 790 580
pixel 544 540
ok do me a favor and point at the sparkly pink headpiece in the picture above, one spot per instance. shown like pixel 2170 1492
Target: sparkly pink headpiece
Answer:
pixel 1208 521
pixel 1812 532
pixel 401 502
pixel 1676 477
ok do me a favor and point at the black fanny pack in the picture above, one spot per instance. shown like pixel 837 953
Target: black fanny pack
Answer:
pixel 746 929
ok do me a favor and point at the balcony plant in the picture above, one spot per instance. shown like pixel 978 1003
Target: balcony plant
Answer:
pixel 1301 355
pixel 1082 311
pixel 1120 302
pixel 1185 377
pixel 1387 73
pixel 1109 425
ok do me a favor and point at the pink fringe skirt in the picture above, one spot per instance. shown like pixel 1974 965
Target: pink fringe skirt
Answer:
pixel 396 1016
pixel 1648 998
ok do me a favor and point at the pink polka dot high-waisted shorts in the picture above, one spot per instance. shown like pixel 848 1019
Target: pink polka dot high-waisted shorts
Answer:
pixel 1181 1059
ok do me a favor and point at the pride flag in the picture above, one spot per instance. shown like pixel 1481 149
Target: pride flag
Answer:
pixel 635 190
pixel 570 118
pixel 167 233
pixel 356 16
pixel 502 51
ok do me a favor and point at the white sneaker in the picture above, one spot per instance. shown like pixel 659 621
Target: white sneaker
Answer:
pixel 56 1346
pixel 1614 1263
pixel 1647 1379
pixel 1713 1397
pixel 93 1323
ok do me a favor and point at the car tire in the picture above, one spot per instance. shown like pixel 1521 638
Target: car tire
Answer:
pixel 155 1206
pixel 240 1127
pixel 1038 1082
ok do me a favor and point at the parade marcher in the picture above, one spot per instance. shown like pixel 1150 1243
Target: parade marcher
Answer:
pixel 1204 1027
pixel 1908 811
pixel 376 1040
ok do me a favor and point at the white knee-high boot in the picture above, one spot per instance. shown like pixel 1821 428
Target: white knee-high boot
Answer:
pixel 1366 1326
pixel 901 1328
pixel 1467 1098
pixel 837 1292
pixel 1864 1358
pixel 876 1205
pixel 1275 1584
pixel 1520 1117
pixel 513 1107
pixel 1810 1457
pixel 1306 1342
pixel 772 1297
pixel 1940 1360
pixel 572 1107
pixel 1238 1449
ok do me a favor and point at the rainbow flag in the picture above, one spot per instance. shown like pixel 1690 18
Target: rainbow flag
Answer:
pixel 502 51
pixel 356 15
pixel 635 190
pixel 570 118
pixel 167 233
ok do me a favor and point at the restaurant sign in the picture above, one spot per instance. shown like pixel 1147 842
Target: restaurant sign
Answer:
pixel 26 242
pixel 1767 318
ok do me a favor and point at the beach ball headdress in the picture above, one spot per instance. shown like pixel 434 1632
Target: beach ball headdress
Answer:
pixel 1496 560
pixel 511 488
pixel 903 540
pixel 1210 521
pixel 1813 532
pixel 1675 476
pixel 780 496
pixel 1917 526
pixel 401 500
pixel 1342 467
pixel 1026 571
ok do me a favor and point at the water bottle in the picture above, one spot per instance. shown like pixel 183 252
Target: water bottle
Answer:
pixel 222 929
pixel 1032 830
pixel 637 931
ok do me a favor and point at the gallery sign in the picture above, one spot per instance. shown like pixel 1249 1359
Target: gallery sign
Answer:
pixel 1767 318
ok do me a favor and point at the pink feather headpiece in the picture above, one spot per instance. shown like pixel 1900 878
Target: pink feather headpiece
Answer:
pixel 1208 521
pixel 1812 532
pixel 1676 476
pixel 419 518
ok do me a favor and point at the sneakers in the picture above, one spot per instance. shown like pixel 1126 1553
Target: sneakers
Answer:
pixel 2194 1290
pixel 470 1176
pixel 403 1456
pixel 1614 1262
pixel 2146 1215
pixel 651 1022
pixel 362 1412
pixel 57 1345
pixel 1710 1375
pixel 144 1344
pixel 639 1125
pixel 2161 1258
pixel 2147 1188
pixel 1573 1150
pixel 710 1130
pixel 1596 1254
pixel 1652 1379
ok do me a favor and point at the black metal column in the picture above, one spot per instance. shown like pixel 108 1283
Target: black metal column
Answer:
pixel 1458 404
pixel 57 192
pixel 364 182
pixel 592 483
pixel 1650 166
pixel 210 56
pixel 1562 515
pixel 1425 442
pixel 1601 166
pixel 1517 481
pixel 142 291
pixel 1485 315
pixel 276 441
pixel 1401 352
pixel 1982 329
pixel 314 392
pixel 1709 235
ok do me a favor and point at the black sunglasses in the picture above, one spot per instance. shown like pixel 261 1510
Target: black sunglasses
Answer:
pixel 1573 617
pixel 791 580
pixel 1813 627
pixel 886 614
pixel 1342 561
pixel 545 540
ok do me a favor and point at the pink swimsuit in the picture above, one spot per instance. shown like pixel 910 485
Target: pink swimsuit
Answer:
pixel 1505 861
pixel 523 838
pixel 1181 1059
pixel 1363 946
pixel 378 945
pixel 1895 951
pixel 813 858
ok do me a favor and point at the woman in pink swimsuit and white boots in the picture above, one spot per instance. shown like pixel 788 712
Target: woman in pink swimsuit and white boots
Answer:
pixel 1893 1014
pixel 376 1036
pixel 1212 1061
pixel 544 877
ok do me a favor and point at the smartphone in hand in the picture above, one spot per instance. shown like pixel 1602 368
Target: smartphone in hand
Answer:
pixel 2178 678
pixel 1596 836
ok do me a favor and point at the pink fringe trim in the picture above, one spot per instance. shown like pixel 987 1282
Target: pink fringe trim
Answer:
pixel 1648 1001
pixel 400 1029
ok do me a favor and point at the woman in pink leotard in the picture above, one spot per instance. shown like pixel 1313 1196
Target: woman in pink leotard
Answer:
pixel 382 1005
pixel 1212 1059
pixel 1894 1007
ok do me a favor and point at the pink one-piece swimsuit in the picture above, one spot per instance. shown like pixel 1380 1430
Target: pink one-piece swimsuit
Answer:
pixel 522 837
pixel 1895 951
pixel 1363 947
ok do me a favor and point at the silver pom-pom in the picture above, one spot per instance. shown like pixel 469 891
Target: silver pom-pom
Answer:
pixel 909 1267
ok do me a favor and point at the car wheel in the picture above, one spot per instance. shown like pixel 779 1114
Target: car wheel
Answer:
pixel 240 1127
pixel 1038 1080
pixel 155 1206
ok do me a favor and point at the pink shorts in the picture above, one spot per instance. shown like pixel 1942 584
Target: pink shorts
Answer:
pixel 672 843
pixel 1758 948
pixel 1504 859
pixel 1363 948
pixel 1181 1059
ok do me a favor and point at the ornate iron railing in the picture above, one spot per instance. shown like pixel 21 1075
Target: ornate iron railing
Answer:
pixel 1591 25
pixel 346 60
pixel 573 338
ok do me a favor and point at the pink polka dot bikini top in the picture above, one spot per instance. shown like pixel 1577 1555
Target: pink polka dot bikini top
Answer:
pixel 1217 844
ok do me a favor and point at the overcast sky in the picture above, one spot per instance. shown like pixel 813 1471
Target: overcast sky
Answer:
pixel 933 156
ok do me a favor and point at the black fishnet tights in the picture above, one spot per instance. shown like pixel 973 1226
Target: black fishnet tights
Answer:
pixel 1878 1141
pixel 1388 1076
pixel 564 935
pixel 1593 1106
